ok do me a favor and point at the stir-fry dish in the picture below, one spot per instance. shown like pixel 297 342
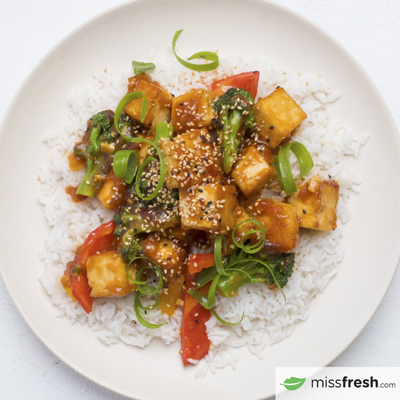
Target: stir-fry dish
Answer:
pixel 187 178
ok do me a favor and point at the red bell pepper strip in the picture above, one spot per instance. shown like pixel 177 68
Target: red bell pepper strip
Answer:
pixel 81 291
pixel 247 81
pixel 194 340
pixel 198 262
pixel 100 239
pixel 75 279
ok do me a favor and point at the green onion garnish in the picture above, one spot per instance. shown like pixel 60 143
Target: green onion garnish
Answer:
pixel 144 289
pixel 164 130
pixel 127 99
pixel 283 169
pixel 138 306
pixel 219 263
pixel 125 164
pixel 252 247
pixel 145 163
pixel 242 262
pixel 207 55
pixel 223 321
pixel 140 67
pixel 163 170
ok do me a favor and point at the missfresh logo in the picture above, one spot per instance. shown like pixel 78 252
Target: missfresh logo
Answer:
pixel 333 383
pixel 293 383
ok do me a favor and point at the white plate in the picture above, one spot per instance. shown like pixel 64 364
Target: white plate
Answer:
pixel 114 39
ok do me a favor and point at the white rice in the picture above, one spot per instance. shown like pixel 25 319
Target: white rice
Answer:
pixel 268 319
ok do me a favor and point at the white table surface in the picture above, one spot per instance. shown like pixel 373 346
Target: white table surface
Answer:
pixel 369 29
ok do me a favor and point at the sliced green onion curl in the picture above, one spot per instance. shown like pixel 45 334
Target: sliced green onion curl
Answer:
pixel 125 164
pixel 283 169
pixel 164 130
pixel 138 306
pixel 140 67
pixel 146 162
pixel 219 263
pixel 144 289
pixel 207 55
pixel 252 247
pixel 223 321
pixel 126 100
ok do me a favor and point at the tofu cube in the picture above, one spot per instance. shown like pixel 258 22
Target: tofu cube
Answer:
pixel 159 101
pixel 165 252
pixel 277 115
pixel 280 222
pixel 171 257
pixel 316 203
pixel 253 170
pixel 193 110
pixel 208 208
pixel 242 215
pixel 191 158
pixel 142 148
pixel 107 275
pixel 112 193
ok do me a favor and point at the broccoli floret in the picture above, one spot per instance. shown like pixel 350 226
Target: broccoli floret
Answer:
pixel 234 110
pixel 127 219
pixel 128 226
pixel 98 165
pixel 126 125
pixel 102 123
pixel 130 246
pixel 251 272
pixel 282 268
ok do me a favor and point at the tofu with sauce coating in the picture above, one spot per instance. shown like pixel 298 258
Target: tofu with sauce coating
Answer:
pixel 193 110
pixel 172 259
pixel 191 159
pixel 159 101
pixel 253 171
pixel 316 203
pixel 277 115
pixel 280 222
pixel 107 275
pixel 112 193
pixel 208 208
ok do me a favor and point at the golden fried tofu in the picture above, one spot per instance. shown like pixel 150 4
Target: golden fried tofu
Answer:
pixel 142 148
pixel 172 258
pixel 192 158
pixel 193 110
pixel 277 115
pixel 168 254
pixel 107 275
pixel 316 203
pixel 241 215
pixel 280 222
pixel 208 208
pixel 253 170
pixel 160 101
pixel 112 193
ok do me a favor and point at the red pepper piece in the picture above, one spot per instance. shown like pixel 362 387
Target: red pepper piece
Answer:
pixel 81 291
pixel 101 239
pixel 198 262
pixel 194 340
pixel 247 81
pixel 75 278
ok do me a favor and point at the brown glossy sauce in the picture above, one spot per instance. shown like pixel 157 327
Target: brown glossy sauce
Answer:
pixel 76 163
pixel 76 198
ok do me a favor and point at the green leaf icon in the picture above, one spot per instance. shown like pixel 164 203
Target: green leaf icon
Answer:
pixel 293 383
